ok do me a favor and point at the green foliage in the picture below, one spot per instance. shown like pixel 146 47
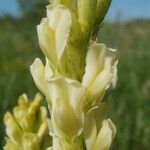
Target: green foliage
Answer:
pixel 128 103
pixel 27 5
pixel 32 8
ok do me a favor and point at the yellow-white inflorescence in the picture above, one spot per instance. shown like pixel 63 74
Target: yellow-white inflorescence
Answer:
pixel 27 126
pixel 77 74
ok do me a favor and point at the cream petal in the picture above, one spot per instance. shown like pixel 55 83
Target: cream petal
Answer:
pixel 100 72
pixel 103 80
pixel 46 37
pixel 67 116
pixel 90 131
pixel 38 73
pixel 76 94
pixel 94 63
pixel 105 136
pixel 92 124
pixel 101 83
pixel 48 70
pixel 59 18
pixel 69 90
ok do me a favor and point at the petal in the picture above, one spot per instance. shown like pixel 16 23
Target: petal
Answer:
pixel 48 70
pixel 67 116
pixel 59 19
pixel 105 136
pixel 13 130
pixel 46 36
pixel 76 94
pixel 101 71
pixel 38 73
pixel 93 120
pixel 102 82
pixel 90 131
pixel 94 63
pixel 43 129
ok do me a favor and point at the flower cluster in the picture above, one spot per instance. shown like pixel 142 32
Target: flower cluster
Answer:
pixel 27 127
pixel 77 73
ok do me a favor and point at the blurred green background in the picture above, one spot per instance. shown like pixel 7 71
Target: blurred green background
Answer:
pixel 128 104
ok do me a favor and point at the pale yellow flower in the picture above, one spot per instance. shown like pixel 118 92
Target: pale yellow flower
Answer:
pixel 100 71
pixel 105 136
pixel 64 34
pixel 89 13
pixel 65 98
pixel 101 68
pixel 76 75
pixel 27 127
pixel 60 38
pixel 61 42
pixel 67 107
pixel 98 132
pixel 53 32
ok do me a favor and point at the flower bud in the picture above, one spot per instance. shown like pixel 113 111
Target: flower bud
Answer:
pixel 100 71
pixel 105 136
pixel 86 15
pixel 13 130
pixel 98 132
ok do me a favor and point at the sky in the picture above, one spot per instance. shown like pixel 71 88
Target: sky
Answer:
pixel 129 9
pixel 9 7
pixel 120 9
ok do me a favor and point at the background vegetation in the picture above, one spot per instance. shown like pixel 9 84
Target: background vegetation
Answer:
pixel 128 104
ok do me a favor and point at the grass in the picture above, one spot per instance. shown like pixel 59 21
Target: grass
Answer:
pixel 128 104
